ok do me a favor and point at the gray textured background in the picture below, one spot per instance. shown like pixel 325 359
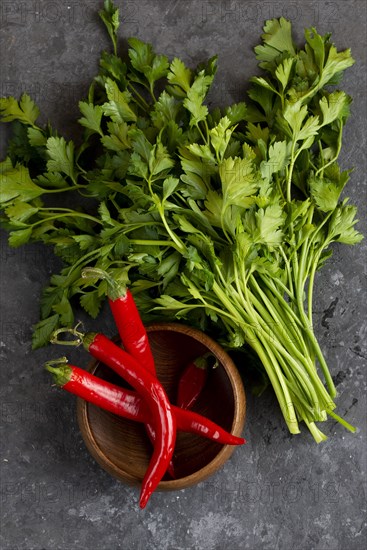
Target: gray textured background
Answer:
pixel 277 492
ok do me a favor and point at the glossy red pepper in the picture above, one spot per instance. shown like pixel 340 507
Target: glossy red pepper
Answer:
pixel 192 381
pixel 130 327
pixel 129 324
pixel 130 405
pixel 153 393
pixel 132 332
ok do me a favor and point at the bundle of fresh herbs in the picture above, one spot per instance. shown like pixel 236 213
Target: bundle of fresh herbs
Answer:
pixel 219 218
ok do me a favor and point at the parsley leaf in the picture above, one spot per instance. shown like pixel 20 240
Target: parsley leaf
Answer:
pixel 61 156
pixel 118 107
pixel 92 116
pixel 24 110
pixel 110 17
pixel 145 61
pixel 195 97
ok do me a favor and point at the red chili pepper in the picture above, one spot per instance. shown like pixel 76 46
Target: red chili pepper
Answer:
pixel 192 381
pixel 129 404
pixel 99 392
pixel 150 388
pixel 130 327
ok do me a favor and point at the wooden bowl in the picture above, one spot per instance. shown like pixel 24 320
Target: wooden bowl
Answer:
pixel 122 447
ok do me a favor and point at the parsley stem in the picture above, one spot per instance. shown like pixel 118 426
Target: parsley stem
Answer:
pixel 284 304
pixel 263 331
pixel 341 421
pixel 288 268
pixel 178 243
pixel 316 433
pixel 66 215
pixel 128 227
pixel 151 89
pixel 290 173
pixel 297 387
pixel 201 133
pixel 309 331
pixel 144 104
pixel 275 340
pixel 152 242
pixel 275 317
pixel 339 146
pixel 88 256
pixel 63 189
pixel 311 280
pixel 286 407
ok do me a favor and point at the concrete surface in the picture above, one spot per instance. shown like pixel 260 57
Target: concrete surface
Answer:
pixel 278 492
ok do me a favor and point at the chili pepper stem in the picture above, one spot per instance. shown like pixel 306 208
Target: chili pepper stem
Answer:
pixel 202 362
pixel 115 290
pixel 81 338
pixel 61 374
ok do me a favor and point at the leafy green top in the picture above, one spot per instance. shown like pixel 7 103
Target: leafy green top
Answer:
pixel 184 202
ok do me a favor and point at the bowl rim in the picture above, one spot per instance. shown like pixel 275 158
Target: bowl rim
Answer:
pixel 239 415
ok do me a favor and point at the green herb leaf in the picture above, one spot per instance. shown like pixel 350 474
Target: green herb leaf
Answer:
pixel 26 111
pixel 325 193
pixel 36 137
pixel 20 211
pixel 92 116
pixel 195 97
pixel 169 186
pixel 118 105
pixel 239 181
pixel 342 222
pixel 145 61
pixel 277 39
pixel 110 17
pixel 16 183
pixel 43 330
pixel 61 156
pixel 91 302
pixel 278 159
pixel 19 237
pixel 179 76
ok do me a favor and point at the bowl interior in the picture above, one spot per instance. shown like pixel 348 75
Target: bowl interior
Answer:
pixel 122 447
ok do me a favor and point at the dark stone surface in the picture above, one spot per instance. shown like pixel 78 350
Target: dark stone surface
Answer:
pixel 277 492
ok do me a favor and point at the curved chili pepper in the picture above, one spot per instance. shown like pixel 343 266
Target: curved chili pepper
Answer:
pixel 129 324
pixel 130 327
pixel 130 405
pixel 151 389
pixel 131 330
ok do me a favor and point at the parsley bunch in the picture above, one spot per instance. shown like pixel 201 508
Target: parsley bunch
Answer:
pixel 220 218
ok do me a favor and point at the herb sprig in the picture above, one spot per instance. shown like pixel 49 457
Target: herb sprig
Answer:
pixel 219 218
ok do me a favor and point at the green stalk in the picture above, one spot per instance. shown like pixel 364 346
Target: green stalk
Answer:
pixel 316 433
pixel 267 342
pixel 318 385
pixel 285 406
pixel 311 283
pixel 152 242
pixel 139 100
pixel 309 332
pixel 64 189
pixel 276 315
pixel 298 388
pixel 67 215
pixel 335 158
pixel 342 421
pixel 290 292
pixel 307 321
pixel 298 371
